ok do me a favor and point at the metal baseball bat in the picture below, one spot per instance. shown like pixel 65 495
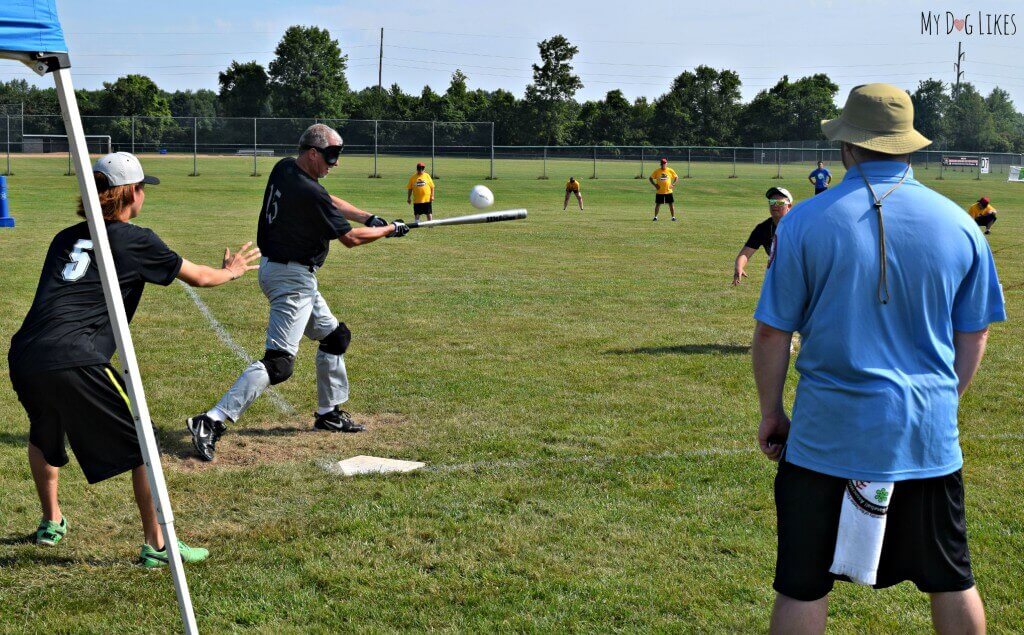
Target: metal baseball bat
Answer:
pixel 486 217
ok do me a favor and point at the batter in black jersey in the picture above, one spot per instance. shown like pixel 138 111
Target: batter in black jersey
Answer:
pixel 779 203
pixel 297 222
pixel 299 219
pixel 60 358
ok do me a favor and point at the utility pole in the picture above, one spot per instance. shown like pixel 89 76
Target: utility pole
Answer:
pixel 380 76
pixel 380 62
pixel 960 56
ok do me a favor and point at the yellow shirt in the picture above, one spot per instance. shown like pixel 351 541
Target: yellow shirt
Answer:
pixel 976 210
pixel 422 187
pixel 572 186
pixel 664 177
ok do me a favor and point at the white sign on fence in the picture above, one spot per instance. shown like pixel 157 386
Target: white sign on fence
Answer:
pixel 984 165
pixel 1015 174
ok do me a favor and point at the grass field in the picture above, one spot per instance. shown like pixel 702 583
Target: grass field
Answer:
pixel 578 384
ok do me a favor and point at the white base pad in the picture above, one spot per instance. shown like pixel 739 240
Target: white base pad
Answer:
pixel 373 465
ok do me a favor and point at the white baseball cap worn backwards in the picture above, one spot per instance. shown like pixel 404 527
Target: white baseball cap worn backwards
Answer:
pixel 122 168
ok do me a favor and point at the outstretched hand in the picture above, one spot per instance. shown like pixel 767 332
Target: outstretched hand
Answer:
pixel 738 276
pixel 239 262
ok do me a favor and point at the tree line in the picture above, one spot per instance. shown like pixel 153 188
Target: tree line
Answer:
pixel 701 107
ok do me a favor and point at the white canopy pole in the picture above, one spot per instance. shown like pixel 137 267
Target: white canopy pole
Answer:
pixel 118 319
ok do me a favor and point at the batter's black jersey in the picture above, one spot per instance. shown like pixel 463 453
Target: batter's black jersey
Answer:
pixel 67 325
pixel 298 220
pixel 762 236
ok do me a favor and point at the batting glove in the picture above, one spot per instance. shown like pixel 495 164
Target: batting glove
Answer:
pixel 401 229
pixel 375 221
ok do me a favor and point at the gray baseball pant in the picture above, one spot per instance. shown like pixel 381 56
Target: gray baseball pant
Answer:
pixel 296 309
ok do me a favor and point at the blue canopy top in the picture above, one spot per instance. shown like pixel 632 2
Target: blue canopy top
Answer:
pixel 30 26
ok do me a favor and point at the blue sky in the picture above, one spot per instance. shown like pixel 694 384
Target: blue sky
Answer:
pixel 637 47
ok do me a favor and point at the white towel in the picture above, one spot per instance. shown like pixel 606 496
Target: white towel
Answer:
pixel 861 530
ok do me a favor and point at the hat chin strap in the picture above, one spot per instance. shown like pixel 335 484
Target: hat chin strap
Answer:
pixel 883 275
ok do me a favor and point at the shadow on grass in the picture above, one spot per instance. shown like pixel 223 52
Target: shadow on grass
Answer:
pixel 14 439
pixel 27 539
pixel 683 349
pixel 45 557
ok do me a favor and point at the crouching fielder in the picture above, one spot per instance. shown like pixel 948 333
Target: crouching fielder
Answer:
pixel 297 222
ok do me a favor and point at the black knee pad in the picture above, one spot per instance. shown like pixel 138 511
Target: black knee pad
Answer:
pixel 337 342
pixel 279 365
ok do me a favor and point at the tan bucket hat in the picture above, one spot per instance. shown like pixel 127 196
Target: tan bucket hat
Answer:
pixel 877 117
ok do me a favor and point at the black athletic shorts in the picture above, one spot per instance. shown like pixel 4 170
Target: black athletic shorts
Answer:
pixel 660 199
pixel 925 534
pixel 983 221
pixel 90 406
pixel 819 190
pixel 422 208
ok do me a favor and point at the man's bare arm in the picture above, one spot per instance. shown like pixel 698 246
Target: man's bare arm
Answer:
pixel 350 211
pixel 740 269
pixel 968 349
pixel 770 356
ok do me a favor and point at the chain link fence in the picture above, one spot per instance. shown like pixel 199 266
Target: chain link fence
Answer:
pixel 250 138
pixel 465 147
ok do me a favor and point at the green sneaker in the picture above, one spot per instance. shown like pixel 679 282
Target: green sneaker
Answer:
pixel 151 558
pixel 50 533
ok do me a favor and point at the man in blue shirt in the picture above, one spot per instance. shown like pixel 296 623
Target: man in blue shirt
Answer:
pixel 892 288
pixel 820 178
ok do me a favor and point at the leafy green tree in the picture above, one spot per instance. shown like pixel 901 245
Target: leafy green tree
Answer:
pixel 701 108
pixel 201 103
pixel 457 98
pixel 307 75
pixel 549 99
pixel 931 104
pixel 244 90
pixel 970 124
pixel 136 96
pixel 1008 123
pixel 790 111
pixel 507 113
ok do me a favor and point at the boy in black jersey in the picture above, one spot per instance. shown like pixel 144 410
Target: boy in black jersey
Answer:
pixel 60 358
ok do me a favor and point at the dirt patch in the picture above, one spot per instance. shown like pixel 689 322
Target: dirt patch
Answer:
pixel 261 443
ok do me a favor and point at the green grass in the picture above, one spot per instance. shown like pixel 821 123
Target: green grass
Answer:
pixel 579 385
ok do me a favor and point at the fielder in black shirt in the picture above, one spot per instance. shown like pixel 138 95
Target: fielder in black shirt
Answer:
pixel 60 358
pixel 779 203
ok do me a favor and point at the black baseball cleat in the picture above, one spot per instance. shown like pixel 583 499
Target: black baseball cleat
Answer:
pixel 337 420
pixel 205 434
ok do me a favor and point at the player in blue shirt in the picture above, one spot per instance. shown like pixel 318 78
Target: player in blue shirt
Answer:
pixel 820 178
pixel 892 289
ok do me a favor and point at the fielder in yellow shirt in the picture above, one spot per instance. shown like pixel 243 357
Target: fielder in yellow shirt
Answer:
pixel 664 181
pixel 572 186
pixel 983 214
pixel 421 193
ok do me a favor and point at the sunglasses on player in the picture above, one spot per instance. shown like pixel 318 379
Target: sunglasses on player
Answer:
pixel 330 154
pixel 776 202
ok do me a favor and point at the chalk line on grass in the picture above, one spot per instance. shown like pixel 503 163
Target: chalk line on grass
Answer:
pixel 222 334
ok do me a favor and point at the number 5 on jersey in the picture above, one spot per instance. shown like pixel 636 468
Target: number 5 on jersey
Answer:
pixel 80 259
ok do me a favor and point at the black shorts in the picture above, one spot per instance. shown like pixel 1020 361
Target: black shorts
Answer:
pixel 925 534
pixel 659 199
pixel 89 405
pixel 422 208
pixel 819 190
pixel 983 221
